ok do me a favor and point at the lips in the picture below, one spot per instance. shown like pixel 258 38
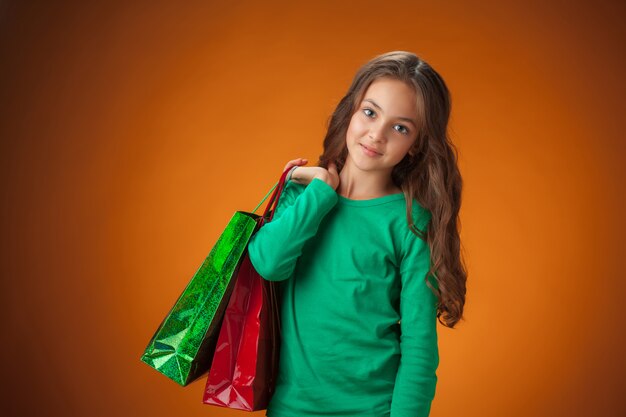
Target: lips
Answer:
pixel 371 149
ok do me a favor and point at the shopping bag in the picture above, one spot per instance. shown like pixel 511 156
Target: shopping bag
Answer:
pixel 245 365
pixel 183 345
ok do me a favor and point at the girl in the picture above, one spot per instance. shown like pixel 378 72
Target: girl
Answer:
pixel 366 248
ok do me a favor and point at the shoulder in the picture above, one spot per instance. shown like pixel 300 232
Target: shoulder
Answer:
pixel 416 251
pixel 291 190
pixel 316 186
pixel 412 244
pixel 419 215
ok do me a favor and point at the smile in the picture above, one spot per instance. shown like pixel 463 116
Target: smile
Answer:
pixel 368 151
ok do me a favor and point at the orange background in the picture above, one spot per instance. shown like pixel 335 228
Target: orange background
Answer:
pixel 132 132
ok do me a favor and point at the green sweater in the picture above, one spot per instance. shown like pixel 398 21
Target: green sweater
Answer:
pixel 359 326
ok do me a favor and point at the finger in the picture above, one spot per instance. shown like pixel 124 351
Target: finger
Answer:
pixel 298 161
pixel 295 162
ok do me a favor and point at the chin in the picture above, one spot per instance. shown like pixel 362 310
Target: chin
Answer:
pixel 362 164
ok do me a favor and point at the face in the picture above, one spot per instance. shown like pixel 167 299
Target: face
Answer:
pixel 384 126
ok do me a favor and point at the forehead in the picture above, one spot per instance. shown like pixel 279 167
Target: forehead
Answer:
pixel 396 97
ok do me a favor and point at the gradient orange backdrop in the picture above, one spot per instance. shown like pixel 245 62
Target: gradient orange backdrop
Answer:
pixel 132 131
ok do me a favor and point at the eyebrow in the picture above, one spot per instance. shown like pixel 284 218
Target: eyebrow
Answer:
pixel 406 119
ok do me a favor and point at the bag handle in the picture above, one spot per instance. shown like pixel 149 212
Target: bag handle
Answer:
pixel 278 189
pixel 264 198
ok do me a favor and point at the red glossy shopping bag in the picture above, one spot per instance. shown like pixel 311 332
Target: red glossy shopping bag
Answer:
pixel 245 364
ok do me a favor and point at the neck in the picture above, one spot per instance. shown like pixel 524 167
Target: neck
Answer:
pixel 356 183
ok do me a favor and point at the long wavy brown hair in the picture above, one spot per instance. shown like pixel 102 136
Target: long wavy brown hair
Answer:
pixel 428 173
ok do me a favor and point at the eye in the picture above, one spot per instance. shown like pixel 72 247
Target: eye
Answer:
pixel 406 131
pixel 369 111
pixel 365 110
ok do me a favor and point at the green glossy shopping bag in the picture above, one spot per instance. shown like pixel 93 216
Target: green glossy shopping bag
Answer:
pixel 183 346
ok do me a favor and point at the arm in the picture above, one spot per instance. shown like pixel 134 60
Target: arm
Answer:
pixel 416 380
pixel 277 245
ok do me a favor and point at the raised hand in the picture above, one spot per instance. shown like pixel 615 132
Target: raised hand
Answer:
pixel 304 175
pixel 332 177
pixel 294 162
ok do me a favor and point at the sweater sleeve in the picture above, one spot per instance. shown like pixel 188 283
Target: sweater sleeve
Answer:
pixel 277 245
pixel 416 379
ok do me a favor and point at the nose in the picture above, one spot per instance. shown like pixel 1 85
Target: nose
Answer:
pixel 376 134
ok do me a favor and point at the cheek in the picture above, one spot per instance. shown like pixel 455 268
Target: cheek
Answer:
pixel 357 126
pixel 403 151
